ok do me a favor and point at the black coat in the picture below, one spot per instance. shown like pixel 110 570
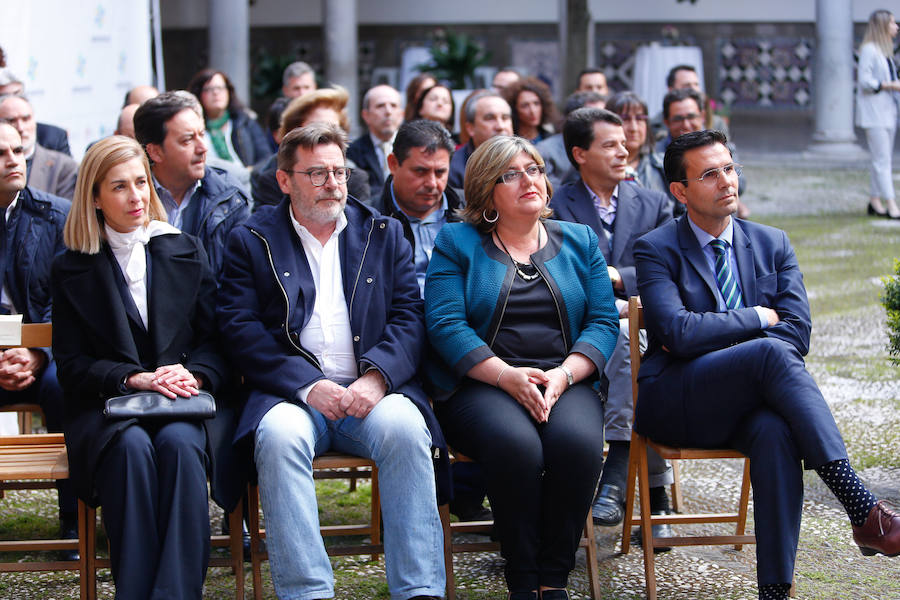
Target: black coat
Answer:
pixel 95 347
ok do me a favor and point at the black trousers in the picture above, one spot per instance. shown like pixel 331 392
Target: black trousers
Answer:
pixel 152 485
pixel 540 476
pixel 47 392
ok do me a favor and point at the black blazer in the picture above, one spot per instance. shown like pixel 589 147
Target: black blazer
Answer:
pixel 94 346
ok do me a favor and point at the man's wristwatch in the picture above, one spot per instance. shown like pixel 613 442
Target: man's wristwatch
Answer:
pixel 570 378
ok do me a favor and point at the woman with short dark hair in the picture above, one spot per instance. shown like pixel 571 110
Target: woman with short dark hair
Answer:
pixel 519 312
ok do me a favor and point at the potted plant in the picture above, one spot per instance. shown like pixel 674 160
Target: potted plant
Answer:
pixel 890 298
pixel 454 58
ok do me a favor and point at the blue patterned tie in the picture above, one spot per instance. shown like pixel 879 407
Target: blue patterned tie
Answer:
pixel 724 278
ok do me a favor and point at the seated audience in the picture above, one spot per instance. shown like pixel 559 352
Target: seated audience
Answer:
pixel 729 323
pixel 382 114
pixel 133 310
pixel 553 149
pixel 436 104
pixel 503 78
pixel 336 370
pixel 48 170
pixel 514 388
pixel 297 79
pixel 487 115
pixel 233 134
pixel 30 236
pixel 49 136
pixel 198 199
pixel 645 165
pixel 619 212
pixel 534 115
pixel 328 105
pixel 593 80
pixel 414 89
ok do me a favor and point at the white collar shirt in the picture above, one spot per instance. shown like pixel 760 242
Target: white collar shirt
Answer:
pixel 327 334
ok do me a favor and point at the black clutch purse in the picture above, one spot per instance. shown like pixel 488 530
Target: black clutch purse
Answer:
pixel 154 406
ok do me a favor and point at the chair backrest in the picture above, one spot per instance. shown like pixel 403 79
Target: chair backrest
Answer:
pixel 635 324
pixel 35 335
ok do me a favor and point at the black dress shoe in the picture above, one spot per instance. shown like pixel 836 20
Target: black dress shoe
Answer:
pixel 532 595
pixel 870 210
pixel 659 530
pixel 554 595
pixel 609 506
pixel 68 530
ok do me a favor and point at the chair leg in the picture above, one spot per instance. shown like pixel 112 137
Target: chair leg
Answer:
pixel 444 512
pixel 87 550
pixel 677 500
pixel 744 502
pixel 255 540
pixel 236 547
pixel 353 471
pixel 376 511
pixel 628 519
pixel 646 523
pixel 591 557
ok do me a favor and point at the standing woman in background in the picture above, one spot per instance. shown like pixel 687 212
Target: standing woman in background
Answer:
pixel 133 310
pixel 876 108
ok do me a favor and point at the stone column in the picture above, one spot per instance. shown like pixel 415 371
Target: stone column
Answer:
pixel 575 44
pixel 833 82
pixel 339 29
pixel 229 43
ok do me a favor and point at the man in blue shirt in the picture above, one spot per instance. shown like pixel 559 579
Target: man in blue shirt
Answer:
pixel 417 195
pixel 416 192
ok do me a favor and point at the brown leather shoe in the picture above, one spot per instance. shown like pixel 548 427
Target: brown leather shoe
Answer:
pixel 880 532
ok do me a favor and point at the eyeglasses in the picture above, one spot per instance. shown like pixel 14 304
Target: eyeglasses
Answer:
pixel 683 118
pixel 635 118
pixel 318 177
pixel 713 175
pixel 510 177
pixel 213 88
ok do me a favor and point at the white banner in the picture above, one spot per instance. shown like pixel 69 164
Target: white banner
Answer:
pixel 77 60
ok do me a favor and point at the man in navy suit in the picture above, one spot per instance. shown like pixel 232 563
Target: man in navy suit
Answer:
pixel 320 310
pixel 382 114
pixel 729 324
pixel 619 212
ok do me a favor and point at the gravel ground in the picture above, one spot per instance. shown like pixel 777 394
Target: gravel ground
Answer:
pixel 847 360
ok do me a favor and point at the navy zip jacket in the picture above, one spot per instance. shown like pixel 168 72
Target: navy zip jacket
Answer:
pixel 267 296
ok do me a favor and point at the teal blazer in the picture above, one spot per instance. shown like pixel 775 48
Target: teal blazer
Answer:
pixel 468 283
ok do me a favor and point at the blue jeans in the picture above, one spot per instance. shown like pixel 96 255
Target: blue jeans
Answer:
pixel 394 435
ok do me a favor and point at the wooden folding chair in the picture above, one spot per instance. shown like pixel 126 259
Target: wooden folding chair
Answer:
pixel 87 528
pixel 34 335
pixel 36 462
pixel 587 542
pixel 330 461
pixel 637 468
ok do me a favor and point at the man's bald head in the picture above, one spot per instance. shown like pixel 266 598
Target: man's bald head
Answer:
pixel 125 125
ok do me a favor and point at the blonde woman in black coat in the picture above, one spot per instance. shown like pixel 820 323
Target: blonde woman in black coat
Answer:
pixel 133 302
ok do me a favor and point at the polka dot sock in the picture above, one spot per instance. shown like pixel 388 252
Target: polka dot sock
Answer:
pixel 841 479
pixel 774 591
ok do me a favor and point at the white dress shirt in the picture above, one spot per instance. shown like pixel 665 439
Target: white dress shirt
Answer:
pixel 128 248
pixel 327 334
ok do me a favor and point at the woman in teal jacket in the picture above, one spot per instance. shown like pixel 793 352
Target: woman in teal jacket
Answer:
pixel 521 319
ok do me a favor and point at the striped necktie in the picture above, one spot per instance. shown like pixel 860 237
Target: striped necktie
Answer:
pixel 724 278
